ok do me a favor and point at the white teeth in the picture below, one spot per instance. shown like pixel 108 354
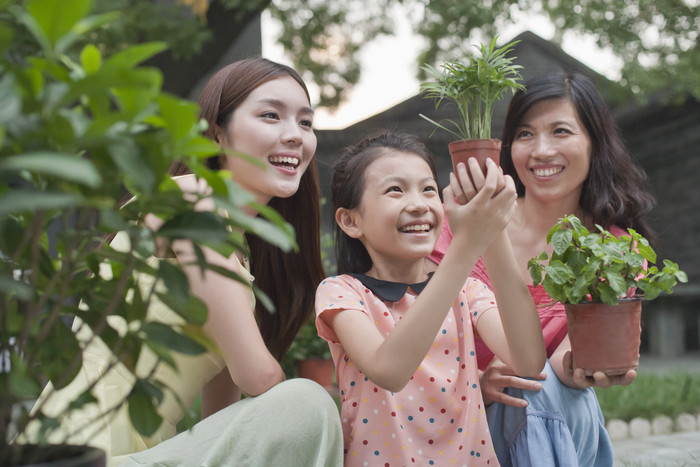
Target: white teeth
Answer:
pixel 293 161
pixel 547 172
pixel 416 228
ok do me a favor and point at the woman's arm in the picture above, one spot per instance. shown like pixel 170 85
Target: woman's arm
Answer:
pixel 231 321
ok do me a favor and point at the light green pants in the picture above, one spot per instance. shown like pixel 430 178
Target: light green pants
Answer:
pixel 295 423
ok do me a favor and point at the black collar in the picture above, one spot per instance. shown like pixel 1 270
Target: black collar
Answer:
pixel 390 291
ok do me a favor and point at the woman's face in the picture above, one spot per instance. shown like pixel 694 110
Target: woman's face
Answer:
pixel 274 126
pixel 551 152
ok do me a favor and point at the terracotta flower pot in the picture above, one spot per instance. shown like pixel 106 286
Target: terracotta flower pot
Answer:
pixel 605 337
pixel 317 369
pixel 481 149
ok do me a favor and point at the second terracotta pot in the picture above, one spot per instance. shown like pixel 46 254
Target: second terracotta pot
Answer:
pixel 481 149
pixel 605 337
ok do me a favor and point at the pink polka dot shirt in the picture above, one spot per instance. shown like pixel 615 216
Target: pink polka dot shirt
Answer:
pixel 438 418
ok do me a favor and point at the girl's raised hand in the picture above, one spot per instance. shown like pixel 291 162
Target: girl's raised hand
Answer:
pixel 477 210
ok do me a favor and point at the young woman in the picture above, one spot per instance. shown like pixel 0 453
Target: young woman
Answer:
pixel 563 149
pixel 262 109
pixel 402 339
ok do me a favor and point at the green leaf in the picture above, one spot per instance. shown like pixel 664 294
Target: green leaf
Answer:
pixel 69 167
pixel 607 294
pixel 617 283
pixel 179 114
pixel 132 56
pixel 166 336
pixel 19 201
pixel 559 272
pixel 143 402
pixel 57 17
pixel 175 281
pixel 193 310
pixel 21 381
pixel 560 240
pixel 130 160
pixel 90 59
pixel 201 226
pixel 10 99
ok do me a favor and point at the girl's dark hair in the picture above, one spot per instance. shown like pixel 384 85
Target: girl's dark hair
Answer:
pixel 613 193
pixel 289 279
pixel 348 185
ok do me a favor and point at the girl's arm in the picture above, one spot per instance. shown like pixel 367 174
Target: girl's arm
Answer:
pixel 390 361
pixel 514 334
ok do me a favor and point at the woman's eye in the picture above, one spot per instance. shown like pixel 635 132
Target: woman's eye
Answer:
pixel 430 188
pixel 307 123
pixel 522 134
pixel 393 189
pixel 562 131
pixel 271 115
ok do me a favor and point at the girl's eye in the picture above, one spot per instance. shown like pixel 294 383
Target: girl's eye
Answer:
pixel 271 115
pixel 430 188
pixel 306 122
pixel 393 189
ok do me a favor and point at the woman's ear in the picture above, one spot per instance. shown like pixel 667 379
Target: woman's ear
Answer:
pixel 218 134
pixel 345 218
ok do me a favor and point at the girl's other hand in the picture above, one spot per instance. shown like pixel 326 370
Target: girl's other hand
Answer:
pixel 474 210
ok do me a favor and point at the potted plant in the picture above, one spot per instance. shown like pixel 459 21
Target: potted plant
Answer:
pixel 602 280
pixel 75 129
pixel 474 86
pixel 311 356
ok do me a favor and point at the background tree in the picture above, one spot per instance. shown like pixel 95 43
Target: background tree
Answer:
pixel 657 41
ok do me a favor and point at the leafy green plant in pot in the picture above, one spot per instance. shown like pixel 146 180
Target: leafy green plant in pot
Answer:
pixel 473 86
pixel 75 129
pixel 602 280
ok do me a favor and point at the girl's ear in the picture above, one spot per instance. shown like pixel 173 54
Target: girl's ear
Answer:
pixel 345 218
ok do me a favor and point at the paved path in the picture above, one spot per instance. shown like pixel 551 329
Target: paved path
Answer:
pixel 673 450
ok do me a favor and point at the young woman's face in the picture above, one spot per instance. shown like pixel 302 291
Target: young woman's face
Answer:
pixel 274 126
pixel 400 214
pixel 552 152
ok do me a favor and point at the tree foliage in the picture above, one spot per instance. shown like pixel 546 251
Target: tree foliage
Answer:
pixel 657 41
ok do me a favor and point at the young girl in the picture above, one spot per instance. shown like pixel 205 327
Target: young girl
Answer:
pixel 403 339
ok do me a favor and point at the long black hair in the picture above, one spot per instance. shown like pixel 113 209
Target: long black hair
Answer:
pixel 614 192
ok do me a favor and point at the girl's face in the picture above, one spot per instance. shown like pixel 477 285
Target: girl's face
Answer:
pixel 274 126
pixel 400 214
pixel 552 152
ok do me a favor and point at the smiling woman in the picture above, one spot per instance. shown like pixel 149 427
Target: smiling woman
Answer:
pixel 259 113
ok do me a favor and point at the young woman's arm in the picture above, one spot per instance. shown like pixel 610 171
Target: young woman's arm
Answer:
pixel 390 361
pixel 231 321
